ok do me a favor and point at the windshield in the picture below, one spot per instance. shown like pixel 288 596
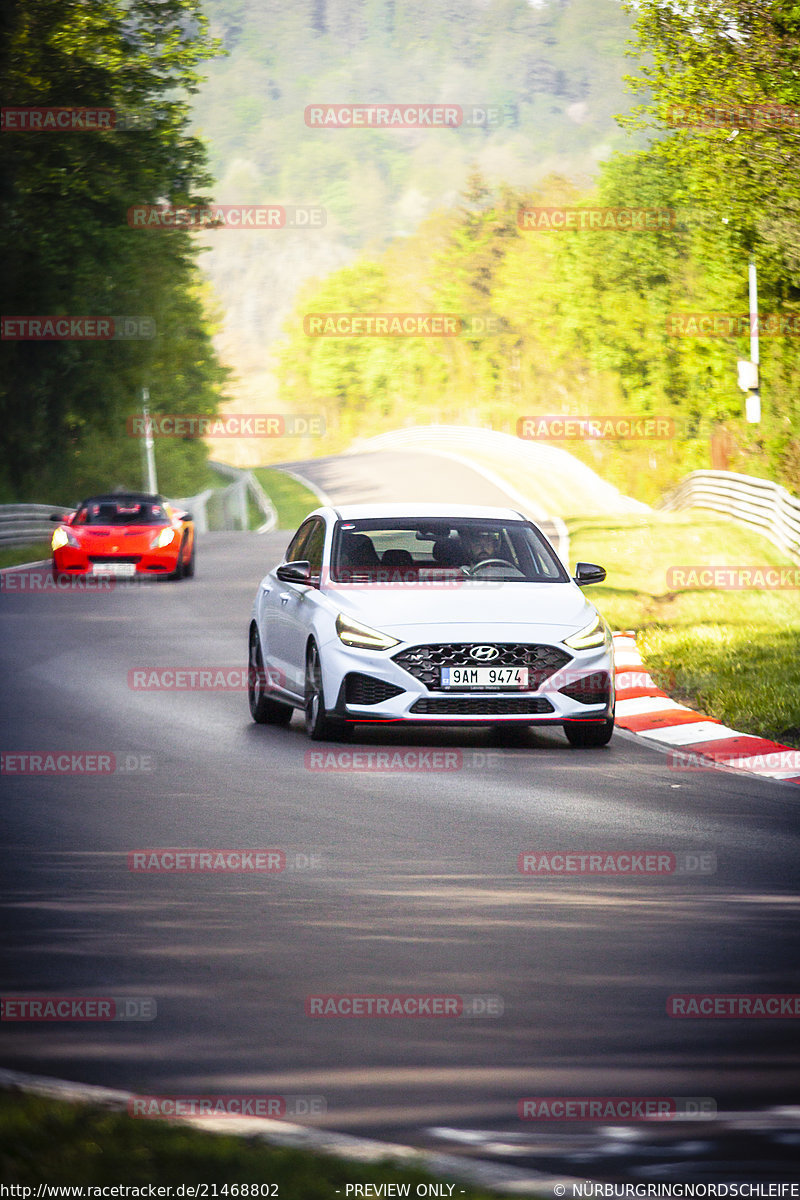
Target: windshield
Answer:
pixel 110 512
pixel 424 549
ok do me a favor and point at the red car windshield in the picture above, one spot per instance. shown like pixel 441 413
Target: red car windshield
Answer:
pixel 106 512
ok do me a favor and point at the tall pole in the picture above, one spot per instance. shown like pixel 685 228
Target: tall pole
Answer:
pixel 149 450
pixel 753 401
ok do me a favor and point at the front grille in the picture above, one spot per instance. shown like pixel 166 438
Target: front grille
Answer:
pixel 363 689
pixel 116 558
pixel 592 689
pixel 425 662
pixel 481 706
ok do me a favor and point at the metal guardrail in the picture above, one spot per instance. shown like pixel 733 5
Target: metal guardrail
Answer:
pixel 246 485
pixel 23 523
pixel 759 503
pixel 224 508
pixel 198 507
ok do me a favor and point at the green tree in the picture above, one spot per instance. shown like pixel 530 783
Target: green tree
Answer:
pixel 66 244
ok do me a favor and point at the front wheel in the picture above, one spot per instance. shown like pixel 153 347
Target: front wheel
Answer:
pixel 319 726
pixel 263 709
pixel 180 568
pixel 188 569
pixel 589 733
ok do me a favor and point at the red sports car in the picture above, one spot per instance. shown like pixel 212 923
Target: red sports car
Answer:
pixel 124 536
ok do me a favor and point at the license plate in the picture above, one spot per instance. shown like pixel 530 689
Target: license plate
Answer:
pixel 485 677
pixel 115 570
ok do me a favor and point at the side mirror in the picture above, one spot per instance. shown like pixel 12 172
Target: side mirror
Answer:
pixel 295 572
pixel 59 517
pixel 187 516
pixel 586 573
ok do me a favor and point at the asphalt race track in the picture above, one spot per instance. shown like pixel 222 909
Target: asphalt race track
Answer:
pixel 397 882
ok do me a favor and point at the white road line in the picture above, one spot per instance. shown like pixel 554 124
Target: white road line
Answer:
pixel 691 733
pixel 641 705
pixel 634 679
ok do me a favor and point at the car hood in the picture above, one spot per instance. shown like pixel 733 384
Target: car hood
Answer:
pixel 468 610
pixel 100 539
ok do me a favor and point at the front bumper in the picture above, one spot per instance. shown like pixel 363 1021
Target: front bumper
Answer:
pixel 414 703
pixel 68 560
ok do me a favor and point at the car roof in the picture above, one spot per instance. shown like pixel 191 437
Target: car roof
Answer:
pixel 355 512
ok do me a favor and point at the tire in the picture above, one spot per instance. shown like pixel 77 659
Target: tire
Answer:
pixel 263 710
pixel 589 733
pixel 180 569
pixel 319 726
pixel 188 570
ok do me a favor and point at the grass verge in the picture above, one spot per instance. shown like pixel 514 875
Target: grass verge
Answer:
pixel 734 655
pixel 51 1141
pixel 292 500
pixel 12 556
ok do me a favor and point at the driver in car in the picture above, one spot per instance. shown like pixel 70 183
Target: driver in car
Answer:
pixel 479 545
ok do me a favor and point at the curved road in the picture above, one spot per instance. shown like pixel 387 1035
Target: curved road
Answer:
pixel 398 882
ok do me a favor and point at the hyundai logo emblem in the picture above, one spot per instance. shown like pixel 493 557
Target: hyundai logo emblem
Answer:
pixel 484 653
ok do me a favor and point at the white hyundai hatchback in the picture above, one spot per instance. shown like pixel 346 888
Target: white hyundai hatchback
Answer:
pixel 429 614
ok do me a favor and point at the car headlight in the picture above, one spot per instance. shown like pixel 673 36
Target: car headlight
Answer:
pixel 353 633
pixel 162 539
pixel 63 537
pixel 592 635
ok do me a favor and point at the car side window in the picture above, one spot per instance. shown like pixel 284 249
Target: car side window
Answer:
pixel 294 552
pixel 312 549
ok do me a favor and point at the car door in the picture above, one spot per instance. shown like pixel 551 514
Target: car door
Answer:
pixel 298 604
pixel 273 625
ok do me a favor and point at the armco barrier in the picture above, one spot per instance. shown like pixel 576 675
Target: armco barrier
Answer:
pixel 247 484
pixel 23 523
pixel 759 503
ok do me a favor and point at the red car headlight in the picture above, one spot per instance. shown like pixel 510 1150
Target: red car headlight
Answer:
pixel 63 537
pixel 163 539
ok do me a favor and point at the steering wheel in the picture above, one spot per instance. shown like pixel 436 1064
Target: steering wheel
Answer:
pixel 492 562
